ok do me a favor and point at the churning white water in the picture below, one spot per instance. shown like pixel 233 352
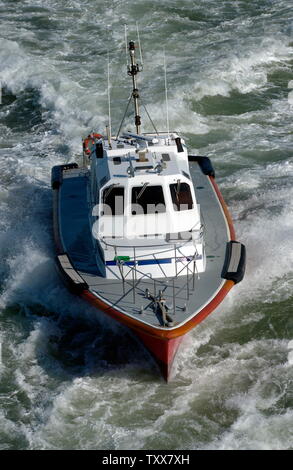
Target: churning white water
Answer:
pixel 69 377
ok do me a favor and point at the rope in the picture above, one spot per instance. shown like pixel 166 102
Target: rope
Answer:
pixel 121 124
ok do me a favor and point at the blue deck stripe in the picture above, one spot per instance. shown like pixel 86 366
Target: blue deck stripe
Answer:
pixel 142 262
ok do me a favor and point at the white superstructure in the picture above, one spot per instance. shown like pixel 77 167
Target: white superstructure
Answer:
pixel 146 217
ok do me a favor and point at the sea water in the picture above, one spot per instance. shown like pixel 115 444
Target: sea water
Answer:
pixel 69 377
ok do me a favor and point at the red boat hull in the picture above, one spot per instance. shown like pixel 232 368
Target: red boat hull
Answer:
pixel 161 343
pixel 163 350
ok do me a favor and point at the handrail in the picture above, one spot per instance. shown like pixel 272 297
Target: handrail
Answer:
pixel 180 244
pixel 167 282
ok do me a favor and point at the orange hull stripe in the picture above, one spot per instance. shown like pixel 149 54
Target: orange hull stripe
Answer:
pixel 138 326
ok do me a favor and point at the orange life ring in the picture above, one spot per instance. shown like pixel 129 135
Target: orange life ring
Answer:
pixel 97 136
pixel 86 142
pixel 90 139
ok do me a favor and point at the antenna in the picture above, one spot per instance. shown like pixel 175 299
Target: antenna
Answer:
pixel 166 94
pixel 126 48
pixel 138 40
pixel 133 70
pixel 109 104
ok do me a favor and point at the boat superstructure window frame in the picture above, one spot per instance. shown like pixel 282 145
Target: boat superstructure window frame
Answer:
pixel 113 200
pixel 148 197
pixel 181 196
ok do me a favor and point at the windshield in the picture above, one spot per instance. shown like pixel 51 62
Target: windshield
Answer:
pixel 147 200
pixel 113 200
pixel 181 196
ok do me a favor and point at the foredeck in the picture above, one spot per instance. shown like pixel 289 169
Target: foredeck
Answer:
pixel 185 295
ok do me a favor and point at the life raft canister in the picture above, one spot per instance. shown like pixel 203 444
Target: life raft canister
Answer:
pixel 89 141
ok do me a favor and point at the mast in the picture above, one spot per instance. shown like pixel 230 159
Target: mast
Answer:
pixel 166 95
pixel 133 70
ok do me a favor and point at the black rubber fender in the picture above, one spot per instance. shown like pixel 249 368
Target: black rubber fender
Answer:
pixel 235 261
pixel 70 276
pixel 179 145
pixel 204 163
pixel 57 174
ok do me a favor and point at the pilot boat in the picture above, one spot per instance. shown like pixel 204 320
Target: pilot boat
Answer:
pixel 142 232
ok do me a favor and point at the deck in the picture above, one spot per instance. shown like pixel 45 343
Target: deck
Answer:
pixel 185 296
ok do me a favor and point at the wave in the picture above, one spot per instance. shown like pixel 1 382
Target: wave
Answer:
pixel 67 372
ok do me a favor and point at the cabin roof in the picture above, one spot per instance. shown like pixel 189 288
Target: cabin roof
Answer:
pixel 140 160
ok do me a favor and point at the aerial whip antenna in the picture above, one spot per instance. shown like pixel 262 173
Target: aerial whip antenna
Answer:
pixel 166 94
pixel 109 127
pixel 126 46
pixel 140 51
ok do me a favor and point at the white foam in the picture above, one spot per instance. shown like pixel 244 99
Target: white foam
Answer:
pixel 8 428
pixel 290 358
pixel 223 394
pixel 70 104
pixel 245 72
pixel 180 120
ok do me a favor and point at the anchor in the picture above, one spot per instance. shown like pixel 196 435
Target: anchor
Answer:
pixel 159 305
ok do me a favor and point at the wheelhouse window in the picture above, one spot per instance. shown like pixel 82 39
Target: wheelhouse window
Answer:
pixel 147 200
pixel 181 196
pixel 113 200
